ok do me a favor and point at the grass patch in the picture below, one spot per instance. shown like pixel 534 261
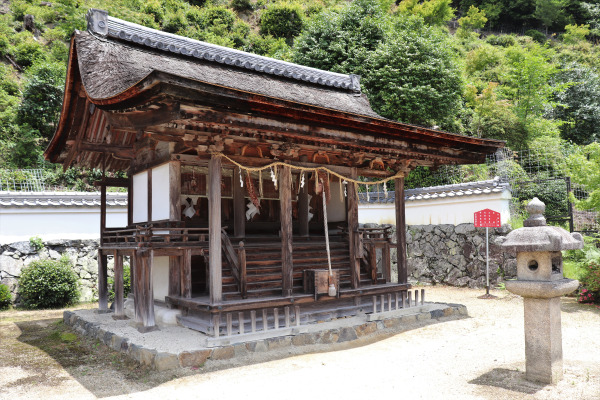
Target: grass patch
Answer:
pixel 573 269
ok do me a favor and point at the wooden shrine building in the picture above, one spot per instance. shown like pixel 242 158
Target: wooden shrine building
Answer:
pixel 228 157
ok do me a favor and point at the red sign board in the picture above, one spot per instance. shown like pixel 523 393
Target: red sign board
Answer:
pixel 487 218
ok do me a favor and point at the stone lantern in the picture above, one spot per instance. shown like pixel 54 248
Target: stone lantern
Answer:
pixel 540 282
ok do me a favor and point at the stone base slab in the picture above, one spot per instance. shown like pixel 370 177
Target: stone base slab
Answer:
pixel 177 347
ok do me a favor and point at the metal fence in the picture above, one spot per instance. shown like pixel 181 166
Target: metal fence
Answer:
pixel 22 180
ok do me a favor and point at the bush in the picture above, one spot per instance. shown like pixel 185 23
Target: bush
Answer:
pixel 536 35
pixel 590 284
pixel 48 284
pixel 5 299
pixel 502 40
pixel 242 5
pixel 126 284
pixel 282 20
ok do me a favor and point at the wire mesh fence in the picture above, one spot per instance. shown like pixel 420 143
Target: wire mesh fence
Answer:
pixel 23 180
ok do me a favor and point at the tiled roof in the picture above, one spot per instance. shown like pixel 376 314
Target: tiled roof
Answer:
pixel 100 23
pixel 436 192
pixel 60 199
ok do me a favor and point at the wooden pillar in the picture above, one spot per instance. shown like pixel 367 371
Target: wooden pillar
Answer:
pixel 130 201
pixel 102 282
pixel 303 210
pixel 285 202
pixel 239 206
pixel 352 203
pixel 138 294
pixel 186 273
pixel 175 191
pixel 149 217
pixel 175 264
pixel 145 296
pixel 214 230
pixel 401 231
pixel 119 308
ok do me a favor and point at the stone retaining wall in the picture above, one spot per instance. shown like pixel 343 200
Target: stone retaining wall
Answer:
pixel 455 255
pixel 82 253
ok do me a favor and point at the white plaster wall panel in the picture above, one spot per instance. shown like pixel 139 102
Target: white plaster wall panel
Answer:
pixel 160 193
pixel 140 197
pixel 454 210
pixel 160 277
pixel 336 208
pixel 21 223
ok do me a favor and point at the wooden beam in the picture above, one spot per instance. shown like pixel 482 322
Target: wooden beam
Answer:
pixel 140 119
pixel 119 151
pixel 352 207
pixel 175 191
pixel 401 231
pixel 102 281
pixel 214 230
pixel 149 216
pixel 285 202
pixel 145 295
pixel 303 209
pixel 239 205
pixel 175 275
pixel 119 289
pixel 130 203
pixel 186 273
pixel 113 182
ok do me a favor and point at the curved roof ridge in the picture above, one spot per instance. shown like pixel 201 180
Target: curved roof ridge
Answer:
pixel 100 23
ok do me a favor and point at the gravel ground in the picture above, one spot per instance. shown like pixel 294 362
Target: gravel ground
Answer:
pixel 480 357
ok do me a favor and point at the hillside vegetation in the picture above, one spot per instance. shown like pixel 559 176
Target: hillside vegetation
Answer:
pixel 453 65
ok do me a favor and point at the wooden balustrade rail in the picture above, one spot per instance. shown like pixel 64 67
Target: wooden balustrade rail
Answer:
pixel 261 320
pixel 154 236
pixel 237 262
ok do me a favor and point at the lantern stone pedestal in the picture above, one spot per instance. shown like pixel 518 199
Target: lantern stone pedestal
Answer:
pixel 540 282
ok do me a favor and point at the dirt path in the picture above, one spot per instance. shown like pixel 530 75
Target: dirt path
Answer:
pixel 480 357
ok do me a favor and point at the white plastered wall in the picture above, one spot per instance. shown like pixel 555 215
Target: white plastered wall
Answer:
pixel 140 197
pixel 447 210
pixel 160 192
pixel 160 277
pixel 21 223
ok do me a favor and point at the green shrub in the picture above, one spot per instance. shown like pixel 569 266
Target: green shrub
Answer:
pixel 36 243
pixel 126 284
pixel 48 284
pixel 175 22
pixel 590 284
pixel 5 299
pixel 536 35
pixel 502 40
pixel 282 20
pixel 242 5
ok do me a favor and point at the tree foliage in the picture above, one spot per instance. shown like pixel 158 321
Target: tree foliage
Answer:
pixel 48 284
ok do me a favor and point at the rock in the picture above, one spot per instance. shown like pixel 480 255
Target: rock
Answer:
pixel 366 329
pixel 23 247
pixel 165 361
pixel 222 353
pixel 303 339
pixel 9 267
pixel 193 358
pixel 279 342
pixel 347 334
pixel 257 347
pixel 465 229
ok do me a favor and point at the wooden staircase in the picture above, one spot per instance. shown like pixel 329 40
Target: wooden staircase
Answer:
pixel 264 271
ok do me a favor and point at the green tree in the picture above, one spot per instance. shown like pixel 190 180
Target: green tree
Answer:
pixel 42 97
pixel 282 20
pixel 341 41
pixel 433 12
pixel 584 168
pixel 579 104
pixel 575 33
pixel 549 12
pixel 474 19
pixel 413 75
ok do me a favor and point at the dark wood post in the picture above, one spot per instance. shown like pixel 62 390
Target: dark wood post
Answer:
pixel 175 276
pixel 186 273
pixel 352 203
pixel 285 202
pixel 401 231
pixel 239 206
pixel 102 281
pixel 214 230
pixel 175 191
pixel 145 295
pixel 303 209
pixel 130 201
pixel 119 308
pixel 149 217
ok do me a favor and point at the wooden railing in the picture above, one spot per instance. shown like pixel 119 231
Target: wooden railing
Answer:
pixel 159 235
pixel 236 261
pixel 262 321
pixel 371 240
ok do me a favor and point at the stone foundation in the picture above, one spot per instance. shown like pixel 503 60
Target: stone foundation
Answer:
pixel 178 347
